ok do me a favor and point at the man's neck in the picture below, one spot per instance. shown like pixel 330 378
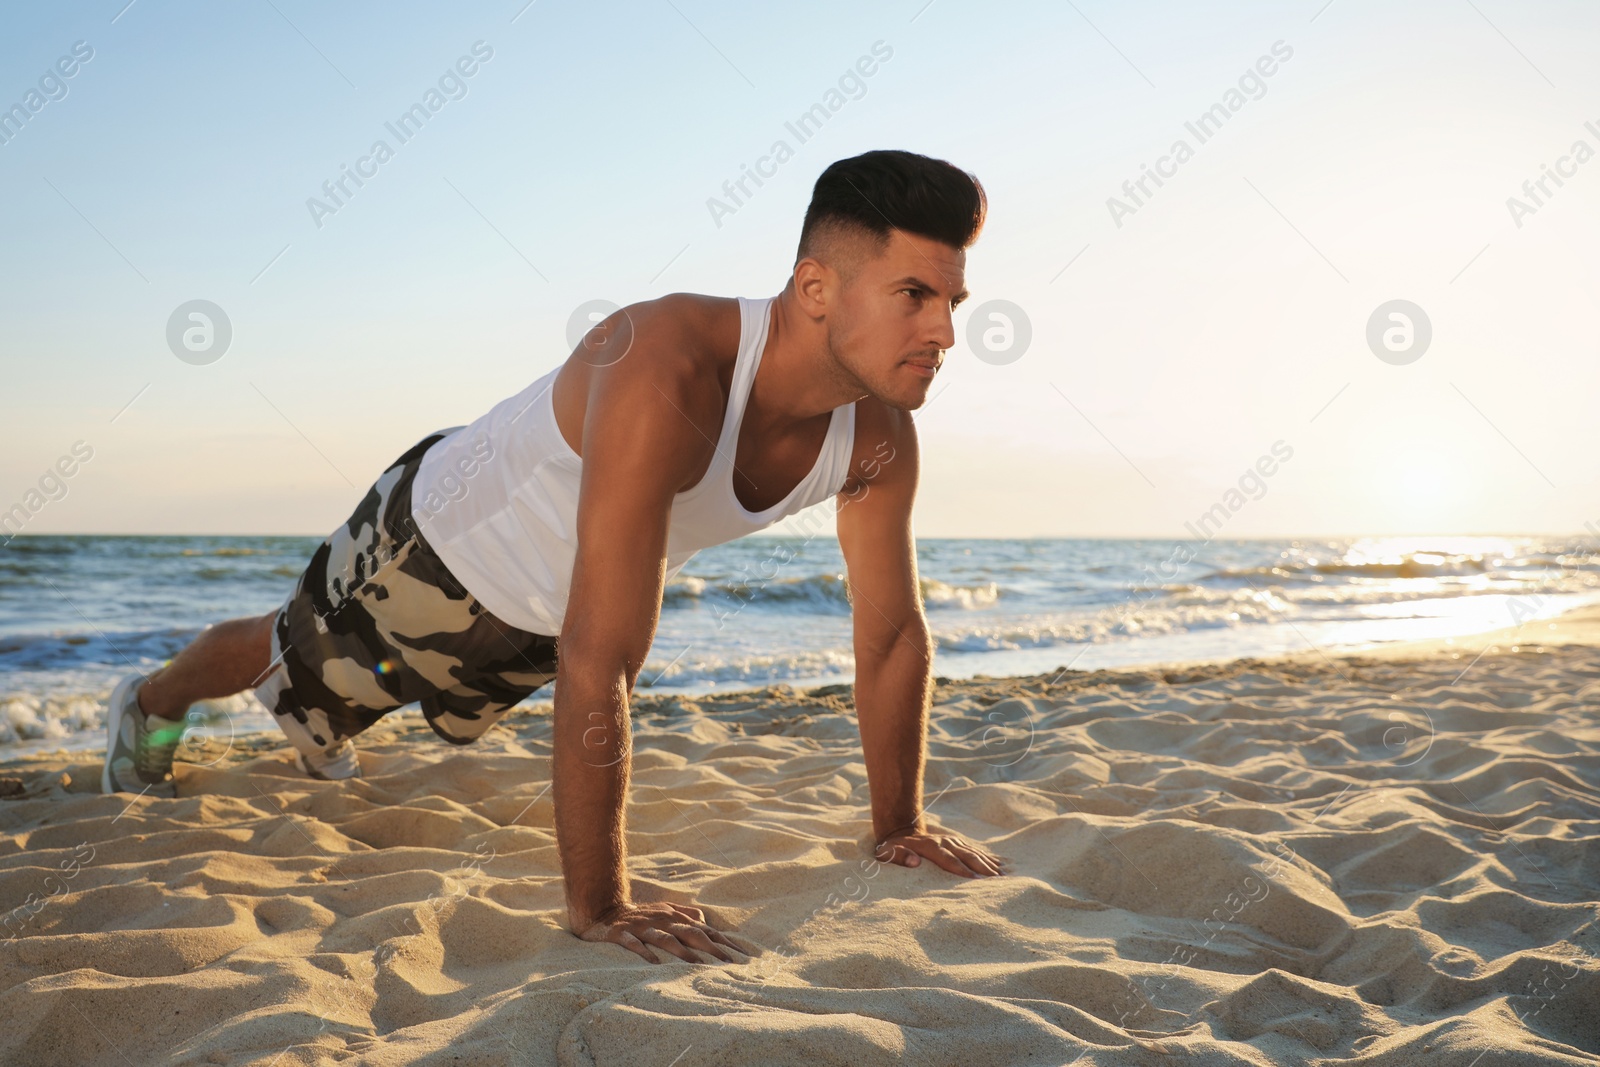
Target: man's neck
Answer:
pixel 799 377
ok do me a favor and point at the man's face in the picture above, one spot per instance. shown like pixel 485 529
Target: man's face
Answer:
pixel 890 324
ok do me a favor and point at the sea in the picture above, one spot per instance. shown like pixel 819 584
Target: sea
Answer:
pixel 79 612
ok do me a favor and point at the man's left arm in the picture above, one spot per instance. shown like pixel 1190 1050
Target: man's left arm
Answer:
pixel 894 654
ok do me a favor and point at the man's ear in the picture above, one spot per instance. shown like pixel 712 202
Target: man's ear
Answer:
pixel 814 282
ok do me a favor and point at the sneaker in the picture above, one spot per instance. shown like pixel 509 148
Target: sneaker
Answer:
pixel 337 763
pixel 139 748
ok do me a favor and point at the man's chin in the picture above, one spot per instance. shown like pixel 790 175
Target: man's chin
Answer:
pixel 907 395
pixel 912 401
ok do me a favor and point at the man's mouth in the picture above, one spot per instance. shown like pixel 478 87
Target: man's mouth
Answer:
pixel 928 367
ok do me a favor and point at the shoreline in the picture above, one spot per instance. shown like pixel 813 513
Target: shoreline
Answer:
pixel 1577 625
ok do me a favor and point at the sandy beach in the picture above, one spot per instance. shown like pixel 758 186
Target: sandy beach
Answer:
pixel 1196 394
pixel 1382 858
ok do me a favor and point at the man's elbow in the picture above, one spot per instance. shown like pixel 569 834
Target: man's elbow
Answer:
pixel 909 638
pixel 590 670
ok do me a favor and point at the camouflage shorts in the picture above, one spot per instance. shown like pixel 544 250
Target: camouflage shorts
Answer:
pixel 377 622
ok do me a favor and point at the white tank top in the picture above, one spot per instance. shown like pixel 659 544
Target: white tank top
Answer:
pixel 498 499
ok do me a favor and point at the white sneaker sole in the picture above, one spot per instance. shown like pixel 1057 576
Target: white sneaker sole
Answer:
pixel 114 710
pixel 351 765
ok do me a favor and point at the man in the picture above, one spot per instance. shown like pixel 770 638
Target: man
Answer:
pixel 556 519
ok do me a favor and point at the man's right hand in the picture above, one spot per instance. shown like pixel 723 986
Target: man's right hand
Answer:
pixel 678 929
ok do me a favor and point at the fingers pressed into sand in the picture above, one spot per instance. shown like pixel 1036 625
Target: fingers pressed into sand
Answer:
pixel 945 858
pixel 723 939
pixel 977 859
pixel 697 920
pixel 695 937
pixel 664 940
pixel 628 941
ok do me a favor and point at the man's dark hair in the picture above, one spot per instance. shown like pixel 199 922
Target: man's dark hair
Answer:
pixel 868 195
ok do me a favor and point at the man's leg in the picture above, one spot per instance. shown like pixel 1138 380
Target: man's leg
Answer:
pixel 225 659
pixel 144 718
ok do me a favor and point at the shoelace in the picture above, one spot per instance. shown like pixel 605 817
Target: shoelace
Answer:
pixel 152 756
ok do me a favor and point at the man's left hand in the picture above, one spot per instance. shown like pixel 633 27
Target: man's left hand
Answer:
pixel 950 851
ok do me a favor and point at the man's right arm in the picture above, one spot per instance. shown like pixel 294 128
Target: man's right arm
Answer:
pixel 642 442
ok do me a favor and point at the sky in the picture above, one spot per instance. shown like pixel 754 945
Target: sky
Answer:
pixel 1179 337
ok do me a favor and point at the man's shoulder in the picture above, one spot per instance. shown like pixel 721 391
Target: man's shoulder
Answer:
pixel 654 373
pixel 692 306
pixel 676 343
pixel 686 332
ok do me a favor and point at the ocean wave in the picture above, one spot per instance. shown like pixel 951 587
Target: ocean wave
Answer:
pixel 1415 565
pixel 1397 588
pixel 80 716
pixel 754 669
pixel 818 591
pixel 1314 572
pixel 937 594
pixel 39 546
pixel 824 592
pixel 1120 622
pixel 26 717
pixel 57 651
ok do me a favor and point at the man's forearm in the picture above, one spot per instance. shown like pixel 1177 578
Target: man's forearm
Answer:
pixel 589 785
pixel 892 695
